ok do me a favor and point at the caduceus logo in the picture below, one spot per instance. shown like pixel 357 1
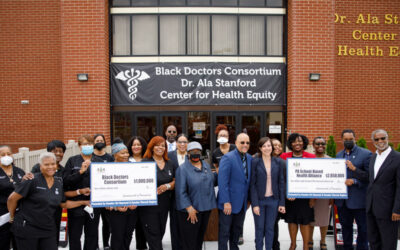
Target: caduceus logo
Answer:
pixel 132 78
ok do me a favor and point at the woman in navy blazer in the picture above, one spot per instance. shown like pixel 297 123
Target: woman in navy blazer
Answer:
pixel 267 192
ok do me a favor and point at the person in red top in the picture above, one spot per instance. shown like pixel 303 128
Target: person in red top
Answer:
pixel 298 211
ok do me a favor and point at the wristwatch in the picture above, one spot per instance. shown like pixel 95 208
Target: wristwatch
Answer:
pixel 168 186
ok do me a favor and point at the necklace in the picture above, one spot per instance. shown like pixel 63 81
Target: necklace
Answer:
pixel 9 176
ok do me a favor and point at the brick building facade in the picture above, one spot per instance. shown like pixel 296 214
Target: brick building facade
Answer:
pixel 45 44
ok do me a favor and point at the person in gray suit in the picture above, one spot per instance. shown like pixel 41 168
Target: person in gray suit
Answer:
pixel 383 194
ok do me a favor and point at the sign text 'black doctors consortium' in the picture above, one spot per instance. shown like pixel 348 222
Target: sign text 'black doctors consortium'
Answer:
pixel 197 84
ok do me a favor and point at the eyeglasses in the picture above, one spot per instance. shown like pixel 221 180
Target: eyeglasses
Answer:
pixel 381 138
pixel 320 144
pixel 182 142
pixel 171 131
pixel 245 142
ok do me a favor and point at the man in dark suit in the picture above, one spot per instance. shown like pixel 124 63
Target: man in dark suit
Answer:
pixel 383 194
pixel 233 185
pixel 357 162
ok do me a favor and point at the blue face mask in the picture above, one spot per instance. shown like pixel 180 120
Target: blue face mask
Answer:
pixel 87 149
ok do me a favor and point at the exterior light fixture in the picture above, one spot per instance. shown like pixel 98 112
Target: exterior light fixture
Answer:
pixel 82 77
pixel 314 76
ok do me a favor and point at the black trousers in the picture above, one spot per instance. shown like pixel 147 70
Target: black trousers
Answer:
pixel 154 224
pixel 141 242
pixel 192 235
pixel 105 218
pixel 91 227
pixel 230 227
pixel 382 233
pixel 6 237
pixel 49 243
pixel 57 219
pixel 122 227
pixel 174 226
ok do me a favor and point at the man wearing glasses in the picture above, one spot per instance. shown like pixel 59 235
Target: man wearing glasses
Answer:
pixel 383 194
pixel 171 134
pixel 233 186
pixel 357 162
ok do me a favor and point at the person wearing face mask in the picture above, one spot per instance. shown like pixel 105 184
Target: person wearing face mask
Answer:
pixel 267 192
pixel 178 157
pixel 122 219
pixel 224 146
pixel 10 177
pixel 353 208
pixel 77 187
pixel 100 155
pixel 37 199
pixel 233 186
pixel 383 194
pixel 195 197
pixel 136 148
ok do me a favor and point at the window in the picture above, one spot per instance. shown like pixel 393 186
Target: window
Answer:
pixel 121 31
pixel 198 2
pixel 255 3
pixel 172 35
pixel 121 3
pixel 237 35
pixel 274 35
pixel 172 2
pixel 224 35
pixel 198 37
pixel 252 35
pixel 144 2
pixel 144 35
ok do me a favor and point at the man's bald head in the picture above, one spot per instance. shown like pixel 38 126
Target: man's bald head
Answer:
pixel 242 143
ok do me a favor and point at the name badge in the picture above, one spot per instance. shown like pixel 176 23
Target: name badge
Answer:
pixel 43 188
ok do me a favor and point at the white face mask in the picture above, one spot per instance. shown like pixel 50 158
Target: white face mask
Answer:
pixel 6 160
pixel 222 140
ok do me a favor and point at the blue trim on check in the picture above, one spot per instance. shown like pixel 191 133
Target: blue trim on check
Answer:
pixel 125 203
pixel 317 195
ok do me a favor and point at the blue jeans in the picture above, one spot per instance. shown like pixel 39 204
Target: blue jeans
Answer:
pixel 264 223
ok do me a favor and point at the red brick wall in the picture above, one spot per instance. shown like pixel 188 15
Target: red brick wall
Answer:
pixel 85 49
pixel 367 88
pixel 311 50
pixel 30 66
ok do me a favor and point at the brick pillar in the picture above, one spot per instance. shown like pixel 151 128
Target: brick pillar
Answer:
pixel 311 49
pixel 85 49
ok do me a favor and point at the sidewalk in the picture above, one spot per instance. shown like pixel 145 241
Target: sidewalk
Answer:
pixel 248 237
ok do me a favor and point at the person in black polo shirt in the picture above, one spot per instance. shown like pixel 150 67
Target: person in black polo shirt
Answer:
pixel 33 224
pixel 10 176
pixel 154 218
pixel 77 186
pixel 58 148
pixel 100 155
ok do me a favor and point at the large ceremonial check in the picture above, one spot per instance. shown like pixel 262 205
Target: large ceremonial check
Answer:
pixel 123 184
pixel 316 178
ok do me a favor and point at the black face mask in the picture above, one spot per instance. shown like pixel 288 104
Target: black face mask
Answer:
pixel 99 145
pixel 194 157
pixel 348 145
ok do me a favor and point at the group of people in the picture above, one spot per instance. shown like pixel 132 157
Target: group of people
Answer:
pixel 186 187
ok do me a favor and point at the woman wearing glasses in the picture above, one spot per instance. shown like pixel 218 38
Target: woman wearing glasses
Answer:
pixel 321 206
pixel 178 157
pixel 154 218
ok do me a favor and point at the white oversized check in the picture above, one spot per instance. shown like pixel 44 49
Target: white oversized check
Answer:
pixel 114 184
pixel 316 178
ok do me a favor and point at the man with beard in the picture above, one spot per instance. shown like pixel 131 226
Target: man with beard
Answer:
pixel 383 194
pixel 171 134
pixel 357 162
